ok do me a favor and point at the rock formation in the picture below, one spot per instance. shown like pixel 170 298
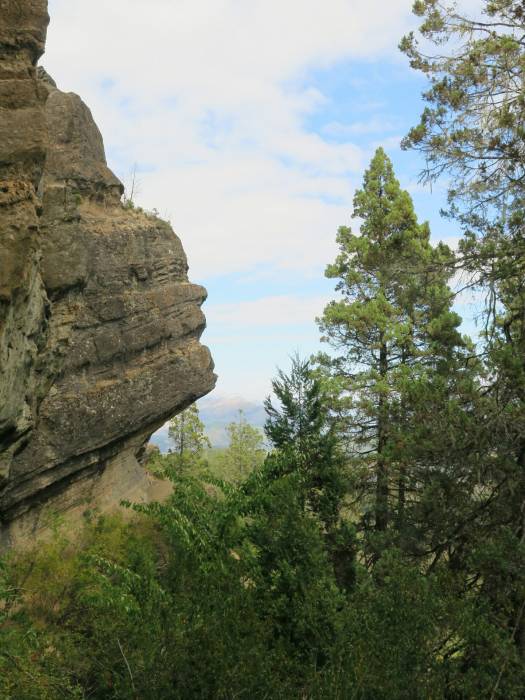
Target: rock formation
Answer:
pixel 99 325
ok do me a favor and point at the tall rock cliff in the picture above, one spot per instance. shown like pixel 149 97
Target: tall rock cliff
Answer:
pixel 99 325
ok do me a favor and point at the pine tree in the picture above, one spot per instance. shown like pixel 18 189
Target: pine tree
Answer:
pixel 392 322
pixel 473 126
pixel 473 132
pixel 303 432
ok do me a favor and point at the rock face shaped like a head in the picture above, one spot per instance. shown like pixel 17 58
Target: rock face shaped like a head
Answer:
pixel 100 344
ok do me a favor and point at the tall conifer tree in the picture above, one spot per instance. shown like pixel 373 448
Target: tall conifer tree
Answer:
pixel 392 322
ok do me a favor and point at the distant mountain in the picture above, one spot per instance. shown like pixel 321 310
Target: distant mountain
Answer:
pixel 216 412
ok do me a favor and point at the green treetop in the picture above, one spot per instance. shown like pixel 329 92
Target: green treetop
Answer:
pixel 245 451
pixel 186 434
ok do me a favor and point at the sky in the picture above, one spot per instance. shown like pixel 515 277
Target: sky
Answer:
pixel 249 124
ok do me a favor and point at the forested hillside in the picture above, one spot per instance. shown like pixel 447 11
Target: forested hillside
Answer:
pixel 373 547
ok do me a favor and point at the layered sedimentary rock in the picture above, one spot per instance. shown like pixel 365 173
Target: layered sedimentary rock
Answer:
pixel 99 325
pixel 23 301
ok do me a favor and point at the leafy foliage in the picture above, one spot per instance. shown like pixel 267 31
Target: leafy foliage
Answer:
pixel 236 596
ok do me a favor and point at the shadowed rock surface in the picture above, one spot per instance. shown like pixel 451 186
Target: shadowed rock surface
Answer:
pixel 99 325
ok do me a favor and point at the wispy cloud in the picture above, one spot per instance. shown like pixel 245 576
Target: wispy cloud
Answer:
pixel 284 310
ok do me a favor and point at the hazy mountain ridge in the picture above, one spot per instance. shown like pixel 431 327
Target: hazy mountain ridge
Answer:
pixel 216 412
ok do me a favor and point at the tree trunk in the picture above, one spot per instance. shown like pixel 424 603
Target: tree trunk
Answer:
pixel 381 514
pixel 401 497
pixel 519 602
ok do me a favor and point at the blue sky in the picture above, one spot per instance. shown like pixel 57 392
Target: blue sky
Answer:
pixel 250 125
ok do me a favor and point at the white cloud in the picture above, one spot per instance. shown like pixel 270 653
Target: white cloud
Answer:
pixel 203 95
pixel 286 310
pixel 225 51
